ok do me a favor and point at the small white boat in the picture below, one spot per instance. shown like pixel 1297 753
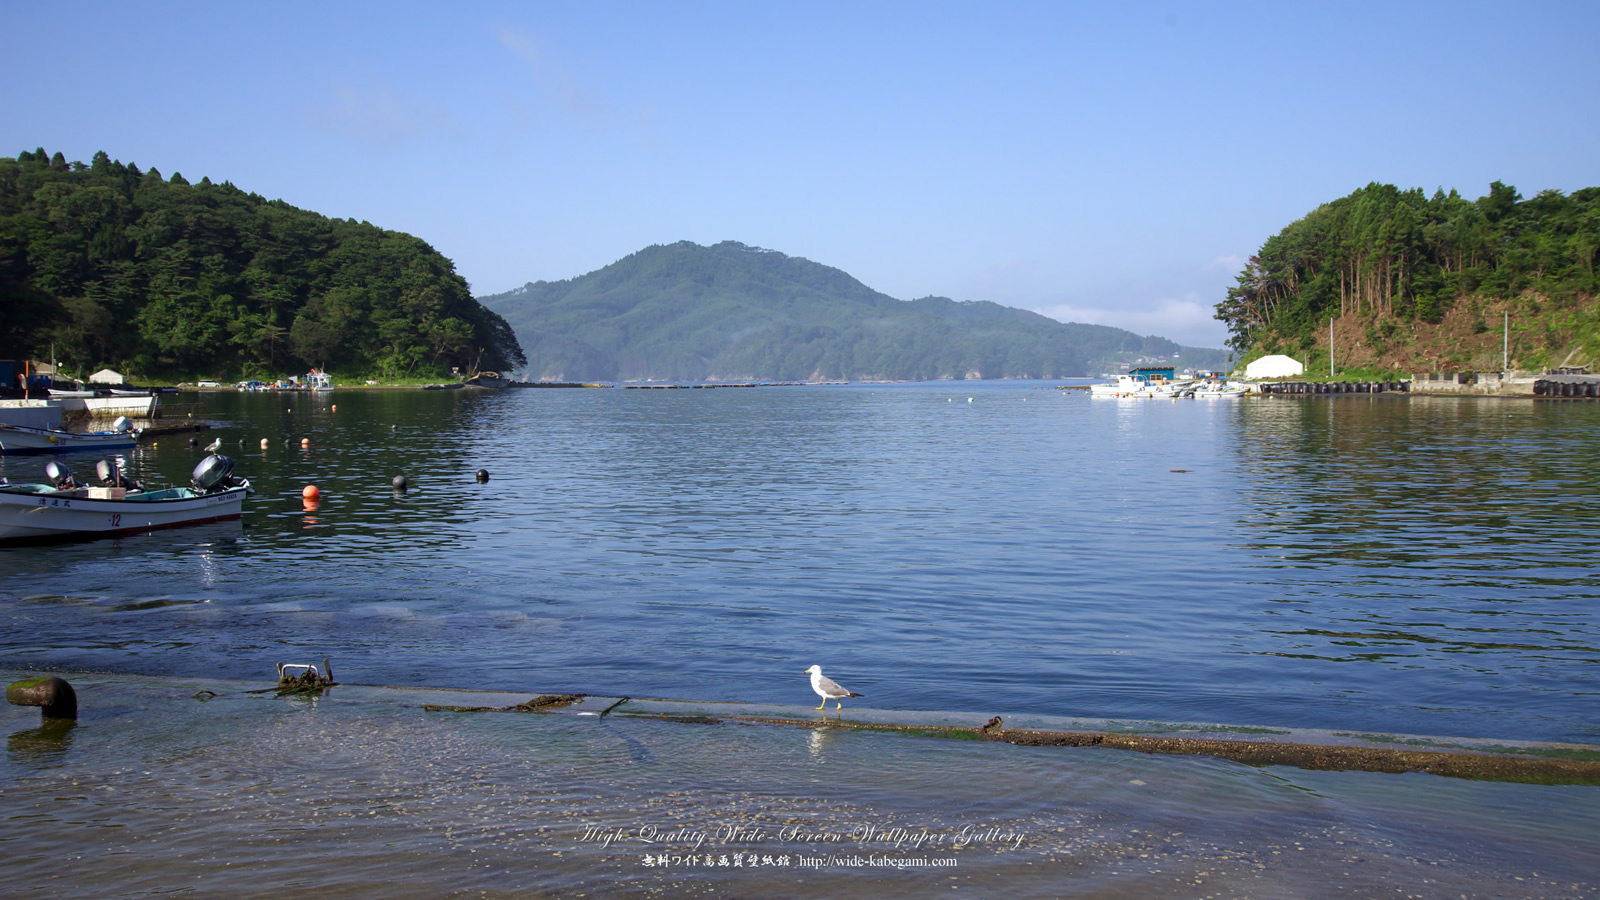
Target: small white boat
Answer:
pixel 65 508
pixel 1141 382
pixel 312 381
pixel 20 439
pixel 1224 389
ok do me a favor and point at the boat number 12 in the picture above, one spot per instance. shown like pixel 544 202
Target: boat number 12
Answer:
pixel 116 520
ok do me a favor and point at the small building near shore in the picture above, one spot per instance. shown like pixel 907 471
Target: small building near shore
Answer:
pixel 1275 366
pixel 106 376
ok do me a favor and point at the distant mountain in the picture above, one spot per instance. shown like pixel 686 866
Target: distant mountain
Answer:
pixel 730 312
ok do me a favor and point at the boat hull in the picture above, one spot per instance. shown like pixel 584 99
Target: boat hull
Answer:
pixel 17 439
pixel 1127 390
pixel 111 407
pixel 27 513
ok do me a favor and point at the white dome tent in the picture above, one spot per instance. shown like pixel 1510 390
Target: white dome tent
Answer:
pixel 1276 366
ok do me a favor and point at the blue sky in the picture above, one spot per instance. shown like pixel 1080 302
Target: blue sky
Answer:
pixel 1108 163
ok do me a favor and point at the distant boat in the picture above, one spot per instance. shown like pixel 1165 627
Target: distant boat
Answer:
pixel 1221 389
pixel 1148 381
pixel 311 381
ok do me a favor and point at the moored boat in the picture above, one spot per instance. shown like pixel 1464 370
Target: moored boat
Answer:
pixel 1221 389
pixel 65 508
pixel 1149 381
pixel 21 439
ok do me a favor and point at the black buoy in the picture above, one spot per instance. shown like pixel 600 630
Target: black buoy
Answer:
pixel 54 696
pixel 483 476
pixel 400 483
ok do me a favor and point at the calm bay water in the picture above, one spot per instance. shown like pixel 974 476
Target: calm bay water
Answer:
pixel 1370 564
pixel 1384 563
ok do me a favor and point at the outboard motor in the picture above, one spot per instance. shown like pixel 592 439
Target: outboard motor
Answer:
pixel 122 425
pixel 111 476
pixel 60 478
pixel 211 472
pixel 215 473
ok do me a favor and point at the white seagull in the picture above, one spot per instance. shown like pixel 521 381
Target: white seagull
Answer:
pixel 827 688
pixel 214 446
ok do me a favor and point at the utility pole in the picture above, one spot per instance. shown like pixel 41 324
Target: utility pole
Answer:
pixel 1330 346
pixel 1505 350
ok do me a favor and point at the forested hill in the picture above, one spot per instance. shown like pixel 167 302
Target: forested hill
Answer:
pixel 114 266
pixel 1419 283
pixel 685 312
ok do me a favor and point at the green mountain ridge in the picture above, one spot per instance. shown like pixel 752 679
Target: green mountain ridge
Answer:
pixel 731 312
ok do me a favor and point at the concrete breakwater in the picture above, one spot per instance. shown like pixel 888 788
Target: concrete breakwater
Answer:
pixel 1494 384
pixel 1567 386
pixel 1333 387
pixel 1561 383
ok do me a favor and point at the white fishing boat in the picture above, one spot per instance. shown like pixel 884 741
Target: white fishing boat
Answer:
pixel 1221 390
pixel 1149 381
pixel 314 380
pixel 65 508
pixel 21 439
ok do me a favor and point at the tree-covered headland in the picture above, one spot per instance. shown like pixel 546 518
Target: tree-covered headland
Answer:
pixel 1419 283
pixel 160 278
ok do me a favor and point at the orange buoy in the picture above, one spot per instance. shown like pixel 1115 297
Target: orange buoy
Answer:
pixel 310 493
pixel 336 407
pixel 304 443
pixel 263 443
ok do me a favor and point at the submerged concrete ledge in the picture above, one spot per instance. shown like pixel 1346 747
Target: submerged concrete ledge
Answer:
pixel 1508 760
pixel 1479 759
pixel 1470 758
pixel 1456 764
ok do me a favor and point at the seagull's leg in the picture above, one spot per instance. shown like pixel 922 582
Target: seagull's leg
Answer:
pixel 824 702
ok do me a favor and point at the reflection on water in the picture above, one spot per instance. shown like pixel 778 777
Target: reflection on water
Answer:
pixel 1371 563
pixel 1449 542
pixel 45 745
